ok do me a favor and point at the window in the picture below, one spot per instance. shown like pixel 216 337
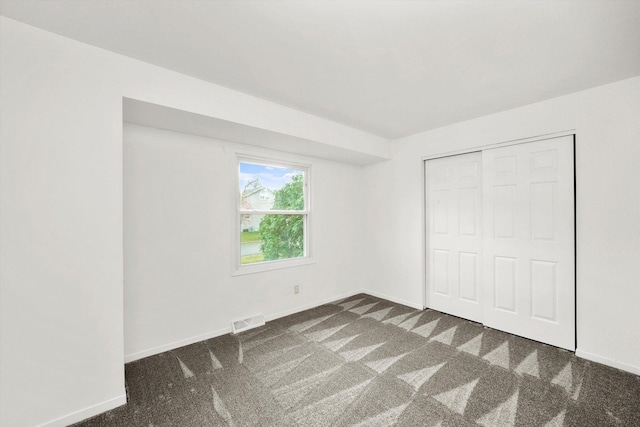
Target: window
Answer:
pixel 273 213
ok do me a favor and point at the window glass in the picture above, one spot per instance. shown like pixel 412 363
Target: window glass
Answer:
pixel 272 214
pixel 260 183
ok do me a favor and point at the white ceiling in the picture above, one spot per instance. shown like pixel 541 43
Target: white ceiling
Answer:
pixel 392 68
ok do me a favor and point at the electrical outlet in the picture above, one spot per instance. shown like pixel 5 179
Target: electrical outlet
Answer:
pixel 296 289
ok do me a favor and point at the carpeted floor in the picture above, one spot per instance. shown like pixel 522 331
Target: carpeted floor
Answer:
pixel 369 362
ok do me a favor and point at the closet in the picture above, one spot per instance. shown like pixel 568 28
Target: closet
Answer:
pixel 500 238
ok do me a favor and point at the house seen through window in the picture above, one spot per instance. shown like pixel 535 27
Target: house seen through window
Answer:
pixel 272 211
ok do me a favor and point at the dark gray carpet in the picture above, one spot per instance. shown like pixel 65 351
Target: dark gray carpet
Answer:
pixel 369 362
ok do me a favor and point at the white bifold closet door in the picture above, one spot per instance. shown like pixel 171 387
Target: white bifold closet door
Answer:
pixel 500 238
pixel 529 251
pixel 454 192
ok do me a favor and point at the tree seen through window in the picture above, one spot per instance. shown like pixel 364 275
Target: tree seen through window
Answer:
pixel 272 213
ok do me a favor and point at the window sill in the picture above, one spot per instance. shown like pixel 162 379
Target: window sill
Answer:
pixel 260 267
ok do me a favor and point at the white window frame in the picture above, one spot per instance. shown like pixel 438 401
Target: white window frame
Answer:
pixel 257 267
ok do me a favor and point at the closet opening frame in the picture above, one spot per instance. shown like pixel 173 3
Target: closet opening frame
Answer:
pixel 480 148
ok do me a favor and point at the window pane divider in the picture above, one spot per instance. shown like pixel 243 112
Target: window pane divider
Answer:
pixel 256 212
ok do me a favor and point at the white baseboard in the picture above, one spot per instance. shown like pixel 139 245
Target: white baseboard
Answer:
pixel 269 317
pixel 89 412
pixel 314 304
pixel 609 362
pixel 175 344
pixel 213 334
pixel 393 299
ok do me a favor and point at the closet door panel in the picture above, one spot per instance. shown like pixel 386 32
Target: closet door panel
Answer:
pixel 454 221
pixel 528 246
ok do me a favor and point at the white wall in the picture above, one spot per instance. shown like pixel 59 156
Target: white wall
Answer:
pixel 61 305
pixel 61 311
pixel 179 194
pixel 607 123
